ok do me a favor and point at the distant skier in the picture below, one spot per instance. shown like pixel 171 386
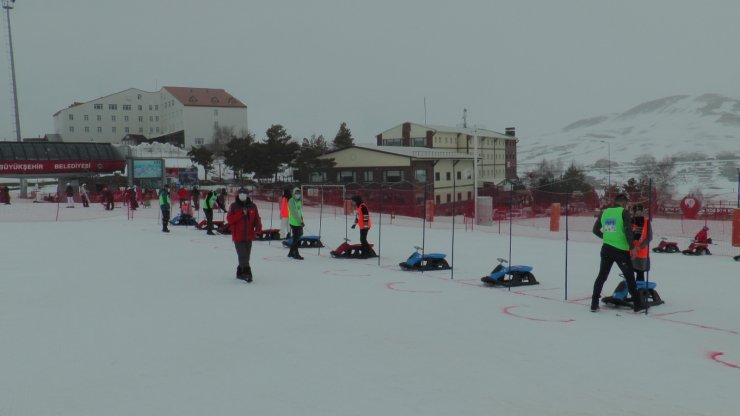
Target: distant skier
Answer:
pixel 614 227
pixel 195 196
pixel 295 210
pixel 703 236
pixel 244 220
pixel 362 218
pixel 164 206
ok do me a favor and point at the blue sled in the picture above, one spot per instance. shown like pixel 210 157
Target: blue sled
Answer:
pixel 306 241
pixel 510 275
pixel 646 291
pixel 426 261
pixel 183 219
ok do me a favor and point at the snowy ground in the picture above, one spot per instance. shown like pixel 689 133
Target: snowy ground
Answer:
pixel 101 315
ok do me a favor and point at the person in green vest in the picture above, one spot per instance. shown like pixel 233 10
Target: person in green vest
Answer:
pixel 208 204
pixel 164 205
pixel 614 227
pixel 295 219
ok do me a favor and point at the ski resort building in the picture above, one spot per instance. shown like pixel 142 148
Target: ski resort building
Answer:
pixel 443 176
pixel 182 116
pixel 496 152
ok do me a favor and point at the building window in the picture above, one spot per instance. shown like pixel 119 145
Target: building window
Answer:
pixel 317 177
pixel 459 196
pixel 141 130
pixel 459 175
pixel 436 176
pixel 157 129
pixel 86 117
pixel 98 106
pixel 421 175
pixel 100 129
pixel 71 117
pixel 127 107
pixel 156 118
pixel 113 129
pixel 392 142
pixel 151 129
pixel 437 199
pixel 151 118
pixel 87 129
pixel 215 113
pixel 449 198
pixel 112 118
pixel 138 97
pixel 368 176
pixel 393 176
pixel 141 119
pixel 125 129
pixel 99 117
pixel 71 129
pixel 141 107
pixel 112 106
pixel 199 140
pixel 448 175
pixel 418 142
pixel 345 176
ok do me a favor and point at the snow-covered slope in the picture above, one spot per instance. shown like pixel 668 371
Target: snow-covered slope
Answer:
pixel 701 132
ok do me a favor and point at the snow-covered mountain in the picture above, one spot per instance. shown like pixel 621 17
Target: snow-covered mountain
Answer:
pixel 702 134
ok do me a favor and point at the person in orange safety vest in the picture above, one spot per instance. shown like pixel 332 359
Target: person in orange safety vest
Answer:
pixel 643 233
pixel 285 214
pixel 362 218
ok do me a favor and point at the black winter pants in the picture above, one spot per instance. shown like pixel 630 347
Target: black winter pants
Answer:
pixel 165 217
pixel 297 233
pixel 209 218
pixel 363 241
pixel 609 256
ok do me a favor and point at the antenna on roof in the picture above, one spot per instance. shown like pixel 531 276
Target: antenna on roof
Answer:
pixel 425 110
pixel 465 118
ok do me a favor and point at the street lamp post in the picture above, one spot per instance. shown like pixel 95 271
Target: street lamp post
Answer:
pixel 7 5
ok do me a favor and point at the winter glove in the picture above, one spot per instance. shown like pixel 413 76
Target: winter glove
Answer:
pixel 353 226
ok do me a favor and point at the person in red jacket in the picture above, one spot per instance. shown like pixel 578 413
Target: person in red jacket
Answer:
pixel 702 236
pixel 244 220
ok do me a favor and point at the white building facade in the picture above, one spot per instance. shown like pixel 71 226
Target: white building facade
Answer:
pixel 187 113
pixel 496 151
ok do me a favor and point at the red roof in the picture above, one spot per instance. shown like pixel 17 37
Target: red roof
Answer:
pixel 204 97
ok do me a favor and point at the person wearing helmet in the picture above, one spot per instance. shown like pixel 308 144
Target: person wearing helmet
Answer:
pixel 164 206
pixel 70 192
pixel 295 213
pixel 362 218
pixel 614 227
pixel 245 223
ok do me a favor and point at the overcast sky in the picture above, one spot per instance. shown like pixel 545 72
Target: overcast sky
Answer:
pixel 536 65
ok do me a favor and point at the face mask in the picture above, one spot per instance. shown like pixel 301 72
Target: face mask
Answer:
pixel 243 197
pixel 297 196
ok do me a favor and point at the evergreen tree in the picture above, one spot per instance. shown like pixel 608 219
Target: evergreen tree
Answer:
pixel 307 161
pixel 238 154
pixel 203 157
pixel 343 138
pixel 275 153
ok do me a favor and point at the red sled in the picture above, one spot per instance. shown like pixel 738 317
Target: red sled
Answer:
pixel 352 251
pixel 204 224
pixel 666 246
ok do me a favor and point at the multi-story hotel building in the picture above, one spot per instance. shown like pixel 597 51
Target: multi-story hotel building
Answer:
pixel 181 115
